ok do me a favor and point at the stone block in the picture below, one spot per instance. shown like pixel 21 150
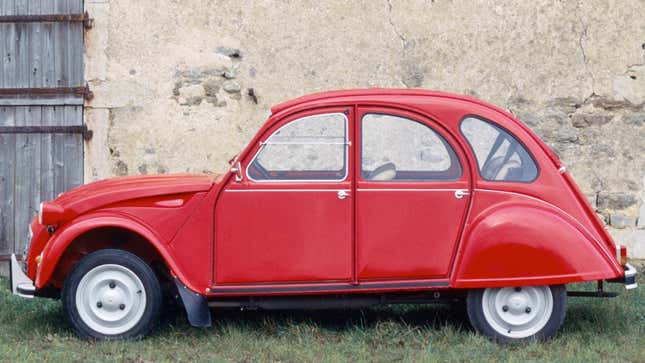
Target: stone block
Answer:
pixel 616 200
pixel 621 221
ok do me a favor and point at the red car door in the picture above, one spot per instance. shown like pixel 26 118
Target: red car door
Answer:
pixel 412 194
pixel 290 217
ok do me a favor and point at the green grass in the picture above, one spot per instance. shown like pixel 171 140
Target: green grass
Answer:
pixel 594 330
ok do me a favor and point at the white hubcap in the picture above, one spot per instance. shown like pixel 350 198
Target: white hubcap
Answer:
pixel 110 299
pixel 518 312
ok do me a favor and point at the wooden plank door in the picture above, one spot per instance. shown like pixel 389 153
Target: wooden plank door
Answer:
pixel 37 165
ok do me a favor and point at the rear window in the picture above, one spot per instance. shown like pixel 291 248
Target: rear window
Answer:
pixel 500 156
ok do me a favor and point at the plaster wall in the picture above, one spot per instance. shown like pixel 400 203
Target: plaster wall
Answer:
pixel 171 78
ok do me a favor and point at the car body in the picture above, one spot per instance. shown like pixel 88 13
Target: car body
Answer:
pixel 343 198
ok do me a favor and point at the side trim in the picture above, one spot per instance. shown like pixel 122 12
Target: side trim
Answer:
pixel 404 190
pixel 220 289
pixel 284 190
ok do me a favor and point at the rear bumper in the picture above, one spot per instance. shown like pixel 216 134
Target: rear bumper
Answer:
pixel 629 279
pixel 19 283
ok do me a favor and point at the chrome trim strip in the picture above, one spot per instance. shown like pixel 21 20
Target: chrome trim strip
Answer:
pixel 255 289
pixel 347 144
pixel 404 190
pixel 303 143
pixel 286 190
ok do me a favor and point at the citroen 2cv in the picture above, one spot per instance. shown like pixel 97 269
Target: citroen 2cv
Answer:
pixel 342 199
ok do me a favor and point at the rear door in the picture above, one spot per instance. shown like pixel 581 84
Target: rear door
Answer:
pixel 412 194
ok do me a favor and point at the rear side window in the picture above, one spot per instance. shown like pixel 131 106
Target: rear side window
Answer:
pixel 500 157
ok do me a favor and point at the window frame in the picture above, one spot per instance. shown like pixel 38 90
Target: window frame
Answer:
pixel 452 153
pixel 512 135
pixel 297 119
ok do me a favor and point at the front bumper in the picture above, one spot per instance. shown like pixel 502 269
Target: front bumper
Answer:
pixel 19 282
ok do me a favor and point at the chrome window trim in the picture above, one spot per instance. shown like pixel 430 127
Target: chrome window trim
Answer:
pixel 262 144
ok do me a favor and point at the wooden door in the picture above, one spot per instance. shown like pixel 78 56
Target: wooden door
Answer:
pixel 41 110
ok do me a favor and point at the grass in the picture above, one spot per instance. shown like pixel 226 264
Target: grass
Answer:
pixel 594 330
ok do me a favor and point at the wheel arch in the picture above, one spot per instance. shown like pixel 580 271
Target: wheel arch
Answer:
pixel 528 242
pixel 61 252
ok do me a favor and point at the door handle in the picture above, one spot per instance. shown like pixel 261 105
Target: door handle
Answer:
pixel 342 194
pixel 460 193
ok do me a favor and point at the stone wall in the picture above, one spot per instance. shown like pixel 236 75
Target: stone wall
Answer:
pixel 182 86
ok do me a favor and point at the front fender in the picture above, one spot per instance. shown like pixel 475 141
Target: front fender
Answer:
pixel 61 240
pixel 529 242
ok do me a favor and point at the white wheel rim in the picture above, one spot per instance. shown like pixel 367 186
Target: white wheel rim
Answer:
pixel 518 312
pixel 110 299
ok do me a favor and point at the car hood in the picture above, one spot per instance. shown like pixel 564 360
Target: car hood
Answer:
pixel 98 194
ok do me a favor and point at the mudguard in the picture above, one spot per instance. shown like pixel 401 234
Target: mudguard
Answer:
pixel 59 242
pixel 529 243
pixel 196 305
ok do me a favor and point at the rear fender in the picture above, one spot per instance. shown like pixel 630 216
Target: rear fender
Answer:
pixel 63 237
pixel 529 242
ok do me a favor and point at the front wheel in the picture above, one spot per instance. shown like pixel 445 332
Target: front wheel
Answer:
pixel 514 314
pixel 112 294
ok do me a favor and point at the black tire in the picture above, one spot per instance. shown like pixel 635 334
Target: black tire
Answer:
pixel 149 310
pixel 477 317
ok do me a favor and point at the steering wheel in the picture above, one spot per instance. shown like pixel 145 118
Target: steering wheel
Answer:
pixel 386 171
pixel 497 169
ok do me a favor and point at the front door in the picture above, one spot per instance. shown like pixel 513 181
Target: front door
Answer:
pixel 290 217
pixel 412 193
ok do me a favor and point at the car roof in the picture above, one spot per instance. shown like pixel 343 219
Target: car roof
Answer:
pixel 377 93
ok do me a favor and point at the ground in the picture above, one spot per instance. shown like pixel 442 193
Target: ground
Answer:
pixel 594 330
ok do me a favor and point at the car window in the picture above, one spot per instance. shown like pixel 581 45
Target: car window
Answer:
pixel 500 156
pixel 397 149
pixel 308 148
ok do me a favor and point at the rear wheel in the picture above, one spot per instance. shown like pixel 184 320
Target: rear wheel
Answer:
pixel 513 314
pixel 112 294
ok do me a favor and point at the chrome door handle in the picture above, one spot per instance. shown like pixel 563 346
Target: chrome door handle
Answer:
pixel 460 193
pixel 342 194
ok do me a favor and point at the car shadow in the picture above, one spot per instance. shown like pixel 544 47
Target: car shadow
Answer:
pixel 431 316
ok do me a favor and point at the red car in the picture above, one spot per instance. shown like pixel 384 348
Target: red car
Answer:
pixel 342 199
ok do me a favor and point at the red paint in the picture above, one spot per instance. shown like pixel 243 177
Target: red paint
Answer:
pixel 220 236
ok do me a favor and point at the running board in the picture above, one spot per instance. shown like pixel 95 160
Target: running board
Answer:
pixel 592 293
pixel 600 292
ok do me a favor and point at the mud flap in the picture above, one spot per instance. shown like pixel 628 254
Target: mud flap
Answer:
pixel 199 315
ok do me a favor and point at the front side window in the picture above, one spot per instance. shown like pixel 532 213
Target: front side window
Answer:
pixel 398 149
pixel 308 148
pixel 500 156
